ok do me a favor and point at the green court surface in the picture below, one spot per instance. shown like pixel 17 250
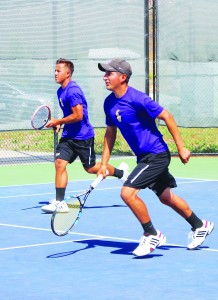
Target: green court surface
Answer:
pixel 198 167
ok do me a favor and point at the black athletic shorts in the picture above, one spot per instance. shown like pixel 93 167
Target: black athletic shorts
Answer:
pixel 152 172
pixel 70 149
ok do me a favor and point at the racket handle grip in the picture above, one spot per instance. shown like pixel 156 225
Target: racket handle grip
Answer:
pixel 98 180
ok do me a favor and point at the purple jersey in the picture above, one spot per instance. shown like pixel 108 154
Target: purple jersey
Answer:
pixel 134 114
pixel 69 97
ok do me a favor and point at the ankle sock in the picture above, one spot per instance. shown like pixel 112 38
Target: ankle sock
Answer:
pixel 194 221
pixel 149 229
pixel 60 194
pixel 118 173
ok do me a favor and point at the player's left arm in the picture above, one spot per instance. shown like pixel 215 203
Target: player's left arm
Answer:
pixel 76 116
pixel 167 117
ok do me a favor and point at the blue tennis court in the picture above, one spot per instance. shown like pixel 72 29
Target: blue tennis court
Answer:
pixel 95 261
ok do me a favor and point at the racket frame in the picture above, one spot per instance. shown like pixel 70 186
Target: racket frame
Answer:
pixel 81 202
pixel 35 113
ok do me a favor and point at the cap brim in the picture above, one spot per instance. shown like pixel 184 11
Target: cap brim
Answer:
pixel 106 67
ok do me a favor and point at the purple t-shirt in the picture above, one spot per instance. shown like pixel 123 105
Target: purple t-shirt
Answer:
pixel 69 97
pixel 134 114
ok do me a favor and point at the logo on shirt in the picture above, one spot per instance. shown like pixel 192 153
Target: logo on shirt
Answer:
pixel 61 102
pixel 118 116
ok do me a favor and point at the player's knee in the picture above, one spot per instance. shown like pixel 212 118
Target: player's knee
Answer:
pixel 90 170
pixel 166 196
pixel 163 200
pixel 124 194
pixel 60 164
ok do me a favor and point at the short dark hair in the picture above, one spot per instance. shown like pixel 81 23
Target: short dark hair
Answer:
pixel 67 62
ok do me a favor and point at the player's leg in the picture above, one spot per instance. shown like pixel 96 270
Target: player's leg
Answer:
pixel 64 154
pixel 176 203
pixel 144 175
pixel 61 181
pixel 61 178
pixel 200 228
pixel 122 172
pixel 141 177
pixel 86 152
pixel 151 237
pixel 135 203
pixel 61 175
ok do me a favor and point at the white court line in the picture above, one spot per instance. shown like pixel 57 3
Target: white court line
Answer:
pixel 93 236
pixel 82 180
pixel 195 181
pixel 97 189
pixel 67 192
pixel 34 245
pixel 38 245
pixel 43 183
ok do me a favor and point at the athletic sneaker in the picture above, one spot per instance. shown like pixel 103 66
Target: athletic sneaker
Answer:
pixel 149 243
pixel 123 166
pixel 61 206
pixel 52 200
pixel 196 237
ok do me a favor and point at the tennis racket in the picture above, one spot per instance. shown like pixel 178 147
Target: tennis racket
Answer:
pixel 40 117
pixel 62 222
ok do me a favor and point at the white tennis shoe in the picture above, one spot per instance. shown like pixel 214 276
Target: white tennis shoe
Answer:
pixel 198 236
pixel 60 206
pixel 52 200
pixel 123 166
pixel 149 243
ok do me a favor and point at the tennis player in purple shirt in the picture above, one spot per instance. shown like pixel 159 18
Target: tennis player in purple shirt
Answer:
pixel 68 97
pixel 134 113
pixel 77 139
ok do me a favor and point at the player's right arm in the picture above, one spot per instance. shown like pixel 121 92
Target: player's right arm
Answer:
pixel 109 140
pixel 76 116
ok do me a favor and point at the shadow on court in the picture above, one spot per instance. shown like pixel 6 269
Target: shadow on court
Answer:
pixel 122 248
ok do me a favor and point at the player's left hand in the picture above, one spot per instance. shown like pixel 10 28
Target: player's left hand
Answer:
pixel 52 123
pixel 184 155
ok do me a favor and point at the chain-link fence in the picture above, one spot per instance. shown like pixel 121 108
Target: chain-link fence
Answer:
pixel 184 63
pixel 154 45
pixel 188 61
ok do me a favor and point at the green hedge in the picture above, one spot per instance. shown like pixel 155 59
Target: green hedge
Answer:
pixel 197 140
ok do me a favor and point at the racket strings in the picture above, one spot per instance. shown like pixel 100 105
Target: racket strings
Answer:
pixel 64 221
pixel 41 117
